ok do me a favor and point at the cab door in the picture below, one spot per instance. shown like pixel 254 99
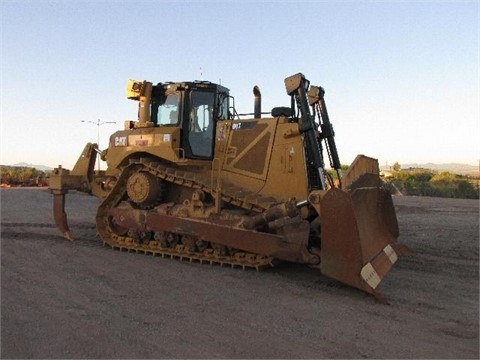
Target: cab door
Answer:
pixel 199 126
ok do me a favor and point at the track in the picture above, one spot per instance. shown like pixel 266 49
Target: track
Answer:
pixel 175 245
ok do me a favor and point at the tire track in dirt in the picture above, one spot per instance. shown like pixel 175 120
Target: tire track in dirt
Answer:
pixel 27 231
pixel 78 299
pixel 45 225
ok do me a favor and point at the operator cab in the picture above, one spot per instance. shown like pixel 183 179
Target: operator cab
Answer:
pixel 195 107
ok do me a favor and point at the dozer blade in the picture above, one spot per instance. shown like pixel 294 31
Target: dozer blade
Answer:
pixel 358 233
pixel 60 215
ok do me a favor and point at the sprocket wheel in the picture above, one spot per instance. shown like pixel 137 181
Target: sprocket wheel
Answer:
pixel 145 189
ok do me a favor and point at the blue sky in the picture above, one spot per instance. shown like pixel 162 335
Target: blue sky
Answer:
pixel 401 77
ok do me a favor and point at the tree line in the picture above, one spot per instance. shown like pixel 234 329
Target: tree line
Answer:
pixel 414 182
pixel 423 182
pixel 23 176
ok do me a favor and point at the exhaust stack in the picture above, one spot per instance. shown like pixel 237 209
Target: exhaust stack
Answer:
pixel 257 108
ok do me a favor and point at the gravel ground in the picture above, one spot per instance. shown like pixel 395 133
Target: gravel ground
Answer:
pixel 78 299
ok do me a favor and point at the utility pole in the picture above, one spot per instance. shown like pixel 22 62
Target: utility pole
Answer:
pixel 98 123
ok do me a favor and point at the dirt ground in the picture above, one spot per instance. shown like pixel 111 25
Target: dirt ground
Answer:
pixel 83 300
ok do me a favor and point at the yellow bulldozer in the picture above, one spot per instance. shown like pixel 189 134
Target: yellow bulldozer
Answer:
pixel 193 179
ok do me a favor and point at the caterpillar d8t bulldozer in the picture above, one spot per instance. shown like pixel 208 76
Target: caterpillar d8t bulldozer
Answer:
pixel 192 179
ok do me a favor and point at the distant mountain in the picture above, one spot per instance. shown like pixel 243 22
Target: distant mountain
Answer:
pixel 455 168
pixel 38 167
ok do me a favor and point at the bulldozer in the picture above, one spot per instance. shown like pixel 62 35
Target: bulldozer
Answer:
pixel 192 179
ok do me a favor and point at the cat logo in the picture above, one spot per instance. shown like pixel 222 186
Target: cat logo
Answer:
pixel 120 141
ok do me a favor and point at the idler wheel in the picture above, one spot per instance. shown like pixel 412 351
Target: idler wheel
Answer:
pixel 144 188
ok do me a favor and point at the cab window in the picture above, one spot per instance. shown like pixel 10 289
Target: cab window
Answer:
pixel 201 123
pixel 167 110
